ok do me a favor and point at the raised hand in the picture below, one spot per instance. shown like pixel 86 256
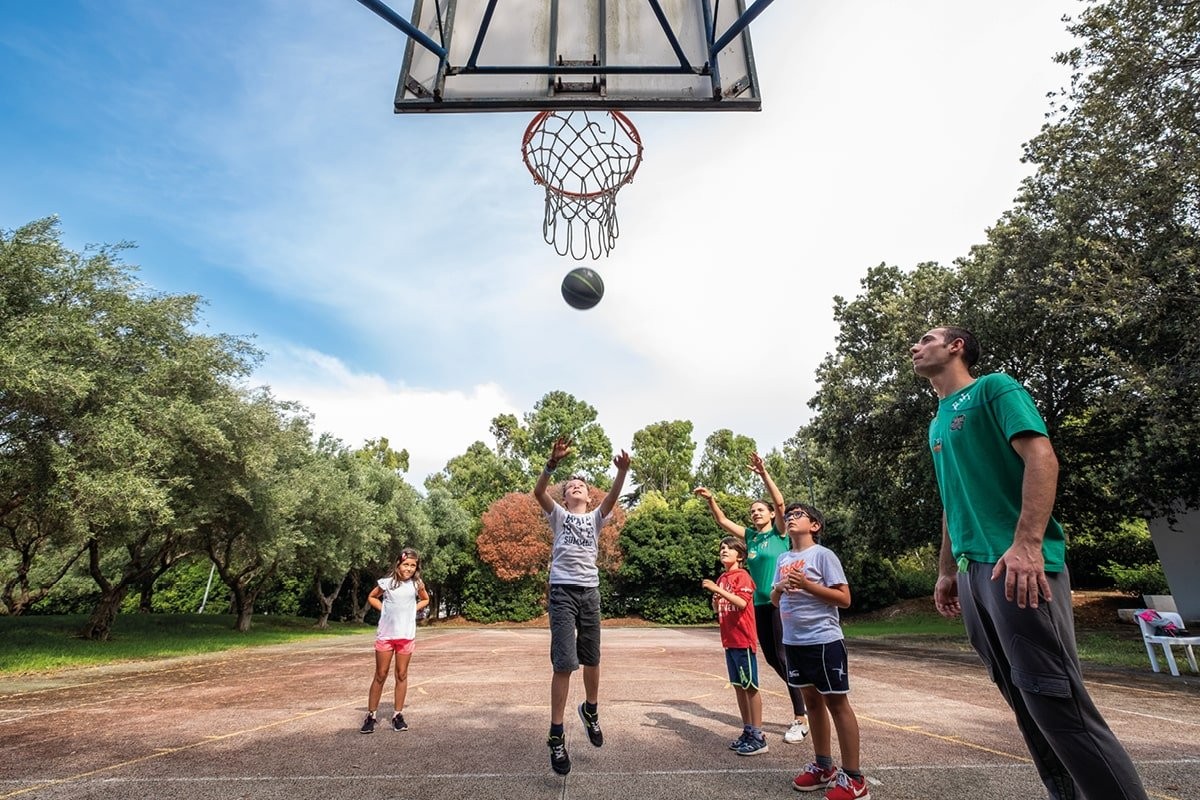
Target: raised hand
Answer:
pixel 757 466
pixel 700 491
pixel 621 461
pixel 562 447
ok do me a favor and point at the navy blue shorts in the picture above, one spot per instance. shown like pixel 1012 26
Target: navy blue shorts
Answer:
pixel 742 666
pixel 822 666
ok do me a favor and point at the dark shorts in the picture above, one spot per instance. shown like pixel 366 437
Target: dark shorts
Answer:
pixel 742 666
pixel 574 626
pixel 822 666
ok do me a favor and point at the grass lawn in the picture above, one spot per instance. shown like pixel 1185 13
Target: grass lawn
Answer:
pixel 37 643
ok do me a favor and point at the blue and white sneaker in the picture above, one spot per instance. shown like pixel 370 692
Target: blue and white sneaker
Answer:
pixel 752 746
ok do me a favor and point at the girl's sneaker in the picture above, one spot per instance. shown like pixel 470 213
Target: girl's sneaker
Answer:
pixel 814 778
pixel 796 733
pixel 368 725
pixel 398 723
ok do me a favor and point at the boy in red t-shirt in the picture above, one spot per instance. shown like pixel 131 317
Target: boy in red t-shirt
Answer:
pixel 733 595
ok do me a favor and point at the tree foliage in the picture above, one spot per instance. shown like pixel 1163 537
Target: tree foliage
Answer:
pixel 662 459
pixel 515 537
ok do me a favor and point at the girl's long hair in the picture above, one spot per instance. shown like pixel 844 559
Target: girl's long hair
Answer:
pixel 406 553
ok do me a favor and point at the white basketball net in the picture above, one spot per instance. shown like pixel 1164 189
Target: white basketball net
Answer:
pixel 582 159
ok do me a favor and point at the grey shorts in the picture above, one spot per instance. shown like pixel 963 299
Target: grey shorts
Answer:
pixel 574 626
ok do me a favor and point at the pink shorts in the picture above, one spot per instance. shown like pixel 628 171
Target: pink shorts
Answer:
pixel 405 646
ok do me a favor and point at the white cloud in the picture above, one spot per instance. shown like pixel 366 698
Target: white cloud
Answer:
pixel 434 425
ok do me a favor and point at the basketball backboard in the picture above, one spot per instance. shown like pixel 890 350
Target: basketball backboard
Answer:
pixel 509 55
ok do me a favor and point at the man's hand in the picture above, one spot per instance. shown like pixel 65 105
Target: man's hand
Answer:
pixel 1024 571
pixel 945 596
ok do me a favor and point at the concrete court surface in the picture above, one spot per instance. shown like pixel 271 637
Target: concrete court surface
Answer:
pixel 282 722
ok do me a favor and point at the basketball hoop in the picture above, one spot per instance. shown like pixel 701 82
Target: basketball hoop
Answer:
pixel 582 159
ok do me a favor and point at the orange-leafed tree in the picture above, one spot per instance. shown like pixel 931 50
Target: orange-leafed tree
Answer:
pixel 514 539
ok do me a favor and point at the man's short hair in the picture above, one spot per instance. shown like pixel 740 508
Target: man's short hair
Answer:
pixel 971 349
pixel 812 512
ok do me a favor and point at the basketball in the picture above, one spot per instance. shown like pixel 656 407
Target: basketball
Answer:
pixel 582 288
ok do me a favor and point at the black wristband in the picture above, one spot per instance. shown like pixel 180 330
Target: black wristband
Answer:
pixel 551 465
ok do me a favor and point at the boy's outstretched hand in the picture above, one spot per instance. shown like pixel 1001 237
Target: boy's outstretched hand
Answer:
pixel 561 448
pixel 621 461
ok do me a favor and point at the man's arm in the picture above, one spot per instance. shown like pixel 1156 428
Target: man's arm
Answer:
pixel 621 460
pixel 726 524
pixel 1023 565
pixel 945 591
pixel 561 448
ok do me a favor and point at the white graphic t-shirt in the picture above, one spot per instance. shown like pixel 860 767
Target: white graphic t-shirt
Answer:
pixel 575 547
pixel 807 619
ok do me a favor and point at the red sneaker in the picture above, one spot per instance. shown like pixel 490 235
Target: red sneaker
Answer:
pixel 814 778
pixel 847 788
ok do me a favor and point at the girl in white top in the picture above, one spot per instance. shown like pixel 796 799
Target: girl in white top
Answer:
pixel 398 598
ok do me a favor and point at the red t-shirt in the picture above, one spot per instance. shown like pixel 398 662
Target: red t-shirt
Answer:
pixel 737 624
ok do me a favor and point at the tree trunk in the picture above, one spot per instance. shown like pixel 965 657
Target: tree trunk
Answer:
pixel 325 601
pixel 358 612
pixel 100 623
pixel 243 606
pixel 146 590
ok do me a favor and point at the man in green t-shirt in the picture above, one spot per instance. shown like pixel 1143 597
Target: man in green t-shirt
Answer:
pixel 1002 563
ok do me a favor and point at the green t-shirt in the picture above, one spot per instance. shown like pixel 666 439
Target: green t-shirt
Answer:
pixel 762 549
pixel 979 474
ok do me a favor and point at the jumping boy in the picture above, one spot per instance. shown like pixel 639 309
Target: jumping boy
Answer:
pixel 733 592
pixel 809 588
pixel 574 603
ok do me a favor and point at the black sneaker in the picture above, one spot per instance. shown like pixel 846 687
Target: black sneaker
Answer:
pixel 591 722
pixel 398 723
pixel 368 725
pixel 560 762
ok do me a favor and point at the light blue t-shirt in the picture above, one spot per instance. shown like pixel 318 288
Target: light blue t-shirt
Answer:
pixel 808 619
pixel 575 546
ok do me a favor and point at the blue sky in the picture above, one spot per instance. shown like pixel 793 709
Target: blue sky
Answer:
pixel 392 267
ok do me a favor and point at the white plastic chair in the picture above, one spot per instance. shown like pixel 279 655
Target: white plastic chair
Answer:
pixel 1150 638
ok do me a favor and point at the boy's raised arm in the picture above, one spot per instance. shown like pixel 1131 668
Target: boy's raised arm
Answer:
pixel 621 461
pixel 562 447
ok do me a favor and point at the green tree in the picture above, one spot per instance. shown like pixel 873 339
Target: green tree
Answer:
pixel 669 549
pixel 478 477
pixel 662 459
pixel 453 553
pixel 335 518
pixel 872 412
pixel 558 414
pixel 251 496
pixel 724 464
